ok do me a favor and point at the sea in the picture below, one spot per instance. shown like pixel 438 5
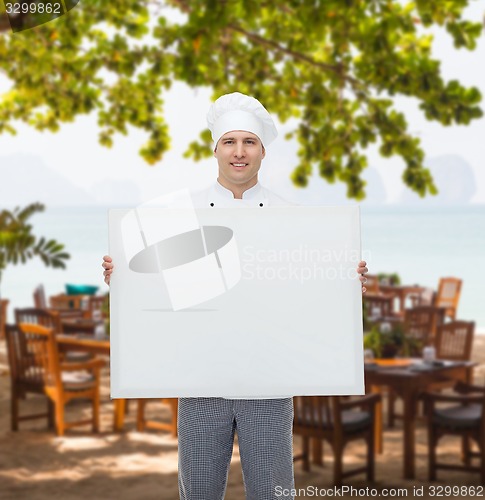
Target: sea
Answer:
pixel 421 245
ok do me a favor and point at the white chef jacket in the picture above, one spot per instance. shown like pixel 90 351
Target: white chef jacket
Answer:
pixel 218 196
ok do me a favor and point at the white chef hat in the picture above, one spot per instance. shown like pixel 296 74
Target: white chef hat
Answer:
pixel 238 111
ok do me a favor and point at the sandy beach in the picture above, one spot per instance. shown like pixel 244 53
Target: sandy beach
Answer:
pixel 35 464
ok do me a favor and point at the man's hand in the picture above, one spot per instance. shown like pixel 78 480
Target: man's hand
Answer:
pixel 361 271
pixel 108 268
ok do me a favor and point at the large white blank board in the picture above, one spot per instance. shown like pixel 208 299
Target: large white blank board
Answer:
pixel 237 303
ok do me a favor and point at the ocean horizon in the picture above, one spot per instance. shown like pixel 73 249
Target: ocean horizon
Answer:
pixel 420 244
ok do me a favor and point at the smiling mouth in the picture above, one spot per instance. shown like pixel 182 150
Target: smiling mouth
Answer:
pixel 239 165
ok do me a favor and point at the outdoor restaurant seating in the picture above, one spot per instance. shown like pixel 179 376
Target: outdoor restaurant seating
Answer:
pixel 336 420
pixel 25 377
pixel 95 305
pixel 43 317
pixel 65 302
pixel 420 326
pixel 39 364
pixel 49 319
pixel 379 306
pixel 142 423
pixel 78 325
pixel 63 382
pixel 454 340
pixel 448 295
pixel 40 302
pixel 466 419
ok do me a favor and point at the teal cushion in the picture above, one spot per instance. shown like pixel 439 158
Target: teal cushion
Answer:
pixel 81 289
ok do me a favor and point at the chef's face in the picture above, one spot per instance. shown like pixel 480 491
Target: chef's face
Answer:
pixel 239 156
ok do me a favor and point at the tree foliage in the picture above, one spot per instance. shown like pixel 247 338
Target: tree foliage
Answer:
pixel 334 66
pixel 18 244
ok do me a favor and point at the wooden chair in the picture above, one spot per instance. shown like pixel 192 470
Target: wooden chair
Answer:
pixel 42 317
pixel 425 297
pixel 40 302
pixel 95 306
pixel 448 295
pixel 48 319
pixel 142 423
pixel 67 302
pixel 420 327
pixel 465 418
pixel 25 377
pixel 63 382
pixel 454 340
pixel 337 421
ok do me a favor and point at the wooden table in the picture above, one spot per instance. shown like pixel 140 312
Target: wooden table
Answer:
pixel 401 292
pixel 83 343
pixel 80 325
pixel 404 378
pixel 93 345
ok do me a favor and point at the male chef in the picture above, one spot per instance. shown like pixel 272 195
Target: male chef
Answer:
pixel 241 129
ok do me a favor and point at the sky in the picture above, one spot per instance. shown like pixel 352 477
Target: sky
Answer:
pixel 73 160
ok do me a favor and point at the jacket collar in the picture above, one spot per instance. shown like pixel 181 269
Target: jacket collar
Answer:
pixel 250 194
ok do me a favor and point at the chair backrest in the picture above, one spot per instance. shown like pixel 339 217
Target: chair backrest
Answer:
pixel 454 340
pixel 448 295
pixel 24 368
pixel 43 317
pixel 96 303
pixel 420 326
pixel 42 347
pixel 39 298
pixel 317 415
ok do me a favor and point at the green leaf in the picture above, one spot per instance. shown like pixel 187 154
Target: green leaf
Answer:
pixel 18 244
pixel 334 70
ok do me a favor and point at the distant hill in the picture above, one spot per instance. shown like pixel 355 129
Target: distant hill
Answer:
pixel 25 179
pixel 454 178
pixel 116 192
pixel 279 164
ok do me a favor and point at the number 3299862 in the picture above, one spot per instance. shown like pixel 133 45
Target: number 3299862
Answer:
pixel 33 8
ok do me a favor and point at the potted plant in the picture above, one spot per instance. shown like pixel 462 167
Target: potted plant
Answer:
pixel 387 340
pixel 18 244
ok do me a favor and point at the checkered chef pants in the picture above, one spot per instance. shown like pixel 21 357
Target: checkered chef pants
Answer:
pixel 206 429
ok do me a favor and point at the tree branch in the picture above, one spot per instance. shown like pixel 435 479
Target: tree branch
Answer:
pixel 4 23
pixel 337 69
